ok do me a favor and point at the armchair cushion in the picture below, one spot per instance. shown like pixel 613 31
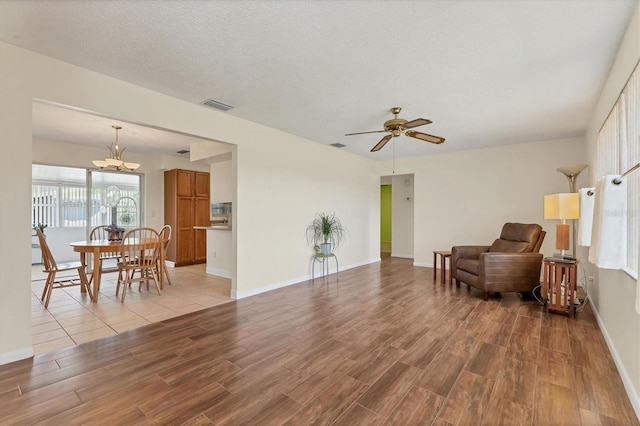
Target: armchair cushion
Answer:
pixel 469 265
pixel 505 246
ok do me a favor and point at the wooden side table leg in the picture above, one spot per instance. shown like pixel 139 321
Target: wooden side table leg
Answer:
pixel 434 267
pixel 443 270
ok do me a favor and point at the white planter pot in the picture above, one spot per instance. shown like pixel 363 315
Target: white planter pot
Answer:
pixel 325 248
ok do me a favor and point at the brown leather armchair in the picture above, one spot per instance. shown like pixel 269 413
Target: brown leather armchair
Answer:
pixel 511 263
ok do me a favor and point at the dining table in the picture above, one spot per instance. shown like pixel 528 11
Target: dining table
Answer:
pixel 96 247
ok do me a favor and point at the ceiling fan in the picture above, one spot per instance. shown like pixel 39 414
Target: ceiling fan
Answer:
pixel 397 126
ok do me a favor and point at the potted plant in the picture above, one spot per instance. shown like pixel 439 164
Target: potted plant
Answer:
pixel 115 232
pixel 39 226
pixel 327 232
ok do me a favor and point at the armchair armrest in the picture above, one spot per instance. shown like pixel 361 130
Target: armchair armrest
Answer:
pixel 464 252
pixel 467 252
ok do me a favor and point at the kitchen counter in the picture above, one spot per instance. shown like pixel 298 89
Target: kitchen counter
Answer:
pixel 214 228
pixel 219 255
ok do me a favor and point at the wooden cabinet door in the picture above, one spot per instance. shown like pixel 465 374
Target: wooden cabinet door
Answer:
pixel 185 247
pixel 200 255
pixel 202 215
pixel 201 219
pixel 185 250
pixel 201 184
pixel 185 183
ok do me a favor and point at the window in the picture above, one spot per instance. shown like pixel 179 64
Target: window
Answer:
pixel 618 150
pixel 66 197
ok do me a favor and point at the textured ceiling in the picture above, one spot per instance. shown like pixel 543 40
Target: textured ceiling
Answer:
pixel 486 73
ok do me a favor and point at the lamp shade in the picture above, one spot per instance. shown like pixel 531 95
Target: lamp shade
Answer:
pixel 562 206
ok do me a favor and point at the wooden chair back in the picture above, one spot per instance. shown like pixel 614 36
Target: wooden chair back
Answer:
pixel 165 236
pixel 99 233
pixel 47 258
pixel 51 268
pixel 140 248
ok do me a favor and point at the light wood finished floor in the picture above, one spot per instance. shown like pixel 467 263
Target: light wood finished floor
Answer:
pixel 72 319
pixel 385 345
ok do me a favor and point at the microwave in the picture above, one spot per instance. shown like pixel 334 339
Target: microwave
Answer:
pixel 220 209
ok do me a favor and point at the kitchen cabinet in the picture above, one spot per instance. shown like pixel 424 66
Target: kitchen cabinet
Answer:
pixel 186 204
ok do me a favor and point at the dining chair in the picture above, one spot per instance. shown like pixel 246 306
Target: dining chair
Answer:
pixel 51 267
pixel 165 237
pixel 102 233
pixel 139 252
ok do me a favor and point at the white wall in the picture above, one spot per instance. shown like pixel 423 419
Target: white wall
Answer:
pixel 613 292
pixel 465 197
pixel 402 223
pixel 282 185
pixel 282 182
pixel 219 260
pixel 222 185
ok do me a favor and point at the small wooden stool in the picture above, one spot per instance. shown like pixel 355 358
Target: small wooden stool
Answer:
pixel 444 255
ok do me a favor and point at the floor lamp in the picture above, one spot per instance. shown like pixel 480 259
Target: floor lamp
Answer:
pixel 563 207
pixel 572 172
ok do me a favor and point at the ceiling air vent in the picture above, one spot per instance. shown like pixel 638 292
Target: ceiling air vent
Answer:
pixel 217 105
pixel 183 151
pixel 338 145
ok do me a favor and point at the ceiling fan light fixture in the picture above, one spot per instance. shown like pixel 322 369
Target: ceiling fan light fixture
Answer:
pixel 398 126
pixel 115 161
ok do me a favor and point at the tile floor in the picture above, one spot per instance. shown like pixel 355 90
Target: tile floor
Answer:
pixel 72 319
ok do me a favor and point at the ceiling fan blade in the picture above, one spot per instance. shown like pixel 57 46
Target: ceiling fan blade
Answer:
pixel 415 123
pixel 364 133
pixel 424 137
pixel 380 144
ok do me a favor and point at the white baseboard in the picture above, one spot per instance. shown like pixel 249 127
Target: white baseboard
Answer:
pixel 18 355
pixel 626 380
pixel 219 272
pixel 402 255
pixel 253 292
pixel 241 295
pixel 422 264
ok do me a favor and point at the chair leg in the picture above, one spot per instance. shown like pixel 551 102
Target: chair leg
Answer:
pixel 486 296
pixel 46 287
pixel 166 273
pixel 119 281
pixel 50 280
pixel 126 284
pixel 156 280
pixel 84 282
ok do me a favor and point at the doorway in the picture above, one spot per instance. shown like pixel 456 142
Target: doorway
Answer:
pixel 397 216
pixel 386 212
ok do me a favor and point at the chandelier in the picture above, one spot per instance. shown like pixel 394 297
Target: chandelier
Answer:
pixel 115 161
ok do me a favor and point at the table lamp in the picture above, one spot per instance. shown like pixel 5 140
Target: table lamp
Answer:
pixel 562 206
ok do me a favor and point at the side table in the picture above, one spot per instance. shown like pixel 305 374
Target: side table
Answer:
pixel 444 255
pixel 559 285
pixel 323 259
